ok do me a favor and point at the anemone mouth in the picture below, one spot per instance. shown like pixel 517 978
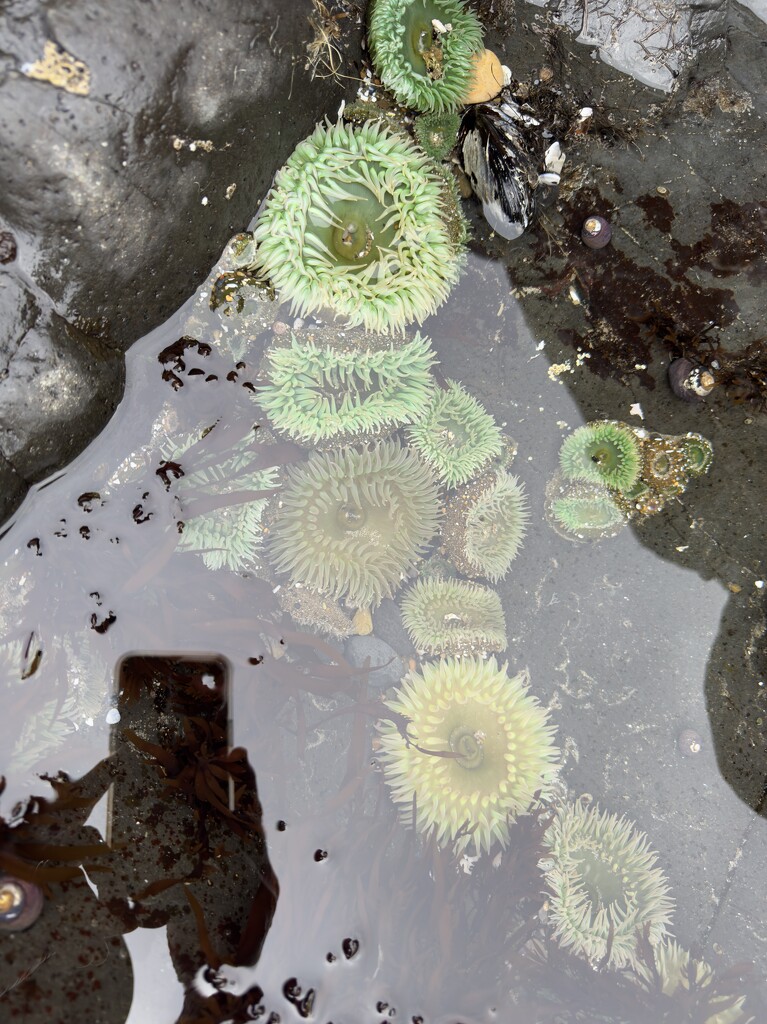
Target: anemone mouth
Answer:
pixel 606 888
pixel 424 67
pixel 356 224
pixel 471 708
pixel 353 521
pixel 604 452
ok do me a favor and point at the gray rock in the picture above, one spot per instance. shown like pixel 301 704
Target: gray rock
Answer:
pixel 386 666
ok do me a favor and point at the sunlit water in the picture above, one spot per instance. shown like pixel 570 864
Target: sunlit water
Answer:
pixel 371 923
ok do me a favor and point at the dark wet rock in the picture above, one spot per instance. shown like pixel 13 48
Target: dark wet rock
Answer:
pixel 121 186
pixel 386 666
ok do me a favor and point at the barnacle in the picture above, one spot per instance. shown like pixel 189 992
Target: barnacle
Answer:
pixel 445 616
pixel 606 888
pixel 475 752
pixel 356 224
pixel 422 50
pixel 353 521
pixel 341 390
pixel 603 452
pixel 456 436
pixel 485 523
pixel 584 511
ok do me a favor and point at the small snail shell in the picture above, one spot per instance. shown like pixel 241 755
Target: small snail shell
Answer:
pixel 689 742
pixel 688 381
pixel 596 232
pixel 21 903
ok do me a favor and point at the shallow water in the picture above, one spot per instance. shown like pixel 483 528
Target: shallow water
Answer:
pixel 370 922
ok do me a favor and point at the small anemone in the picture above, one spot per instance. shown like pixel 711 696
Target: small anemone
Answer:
pixel 485 524
pixel 437 134
pixel 578 510
pixel 604 452
pixel 422 50
pixel 698 453
pixel 351 522
pixel 453 617
pixel 456 436
pixel 318 393
pixel 606 888
pixel 677 969
pixel 355 224
pixel 664 466
pixel 476 752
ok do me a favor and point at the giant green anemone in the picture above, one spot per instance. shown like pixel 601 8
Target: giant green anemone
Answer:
pixel 422 50
pixel 356 224
pixel 677 969
pixel 485 524
pixel 227 537
pixel 321 392
pixel 578 510
pixel 456 436
pixel 351 522
pixel 606 888
pixel 603 452
pixel 453 617
pixel 477 749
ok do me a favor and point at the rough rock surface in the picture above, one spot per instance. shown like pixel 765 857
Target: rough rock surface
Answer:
pixel 137 138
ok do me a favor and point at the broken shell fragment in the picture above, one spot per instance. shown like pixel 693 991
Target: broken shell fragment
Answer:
pixel 689 382
pixel 487 78
pixel 596 232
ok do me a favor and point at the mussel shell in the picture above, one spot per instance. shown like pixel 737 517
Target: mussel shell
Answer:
pixel 24 904
pixel 494 157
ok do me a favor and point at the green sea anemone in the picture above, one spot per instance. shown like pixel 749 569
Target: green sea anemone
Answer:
pixel 677 969
pixel 437 134
pixel 485 524
pixel 605 886
pixel 604 452
pixel 351 522
pixel 453 617
pixel 698 453
pixel 422 50
pixel 228 537
pixel 456 436
pixel 356 224
pixel 349 388
pixel 501 744
pixel 584 511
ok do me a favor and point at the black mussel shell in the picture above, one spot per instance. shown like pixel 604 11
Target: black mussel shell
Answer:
pixel 493 154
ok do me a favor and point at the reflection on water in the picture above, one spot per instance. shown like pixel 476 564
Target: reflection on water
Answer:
pixel 194 525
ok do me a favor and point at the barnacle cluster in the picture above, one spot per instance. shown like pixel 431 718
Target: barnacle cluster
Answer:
pixel 476 752
pixel 346 389
pixel 605 886
pixel 355 224
pixel 611 473
pixel 449 616
pixel 351 522
pixel 423 50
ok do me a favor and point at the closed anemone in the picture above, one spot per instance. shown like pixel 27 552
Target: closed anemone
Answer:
pixel 456 436
pixel 602 452
pixel 453 617
pixel 501 739
pixel 353 521
pixel 605 887
pixel 437 134
pixel 485 524
pixel 698 453
pixel 426 68
pixel 356 225
pixel 664 466
pixel 323 392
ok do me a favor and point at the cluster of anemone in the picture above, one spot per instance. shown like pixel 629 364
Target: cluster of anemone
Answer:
pixel 606 890
pixel 485 524
pixel 453 617
pixel 346 389
pixel 352 522
pixel 423 50
pixel 456 435
pixel 230 535
pixel 477 751
pixel 356 225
